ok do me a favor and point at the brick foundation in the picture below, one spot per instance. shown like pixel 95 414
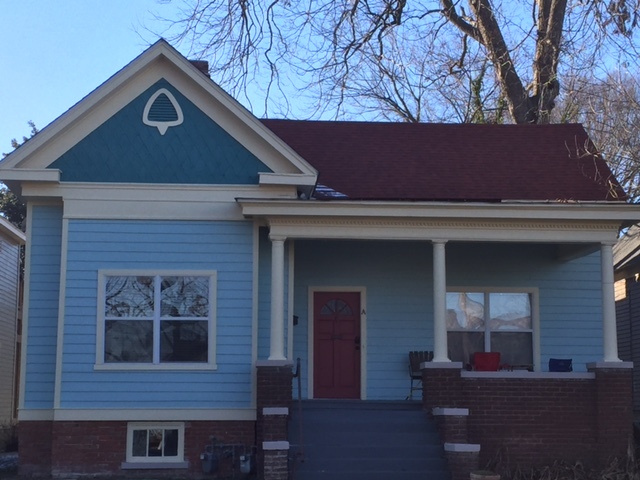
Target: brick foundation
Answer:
pixel 35 448
pixel 87 448
pixel 530 420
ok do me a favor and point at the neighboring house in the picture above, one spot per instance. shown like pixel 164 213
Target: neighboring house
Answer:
pixel 626 256
pixel 11 241
pixel 182 253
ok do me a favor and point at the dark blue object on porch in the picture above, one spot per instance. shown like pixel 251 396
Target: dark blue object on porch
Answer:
pixel 560 365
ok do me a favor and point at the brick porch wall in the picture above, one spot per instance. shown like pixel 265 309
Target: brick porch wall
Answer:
pixel 61 449
pixel 274 390
pixel 533 419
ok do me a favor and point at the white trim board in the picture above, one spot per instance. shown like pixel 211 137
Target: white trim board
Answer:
pixel 146 415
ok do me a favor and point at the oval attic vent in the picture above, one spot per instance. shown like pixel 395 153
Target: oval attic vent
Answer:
pixel 162 111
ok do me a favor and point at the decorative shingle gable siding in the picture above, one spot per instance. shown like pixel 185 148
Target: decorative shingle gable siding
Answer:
pixel 124 149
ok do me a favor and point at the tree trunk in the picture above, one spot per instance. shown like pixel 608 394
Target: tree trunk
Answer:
pixel 545 65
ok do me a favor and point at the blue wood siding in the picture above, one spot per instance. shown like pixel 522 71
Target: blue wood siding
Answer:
pixel 398 281
pixel 124 149
pixel 44 288
pixel 226 247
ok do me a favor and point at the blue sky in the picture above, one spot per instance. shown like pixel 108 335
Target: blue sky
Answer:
pixel 53 53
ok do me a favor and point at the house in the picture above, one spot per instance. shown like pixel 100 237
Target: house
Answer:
pixel 626 256
pixel 182 253
pixel 11 241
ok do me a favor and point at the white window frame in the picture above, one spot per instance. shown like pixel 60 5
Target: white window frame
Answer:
pixel 156 365
pixel 534 293
pixel 155 462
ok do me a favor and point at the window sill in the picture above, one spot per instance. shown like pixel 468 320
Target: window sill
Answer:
pixel 148 367
pixel 529 375
pixel 153 465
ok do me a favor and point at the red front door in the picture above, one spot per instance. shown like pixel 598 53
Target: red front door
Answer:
pixel 336 344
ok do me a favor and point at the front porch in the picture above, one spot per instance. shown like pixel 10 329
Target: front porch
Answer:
pixel 404 305
pixel 401 274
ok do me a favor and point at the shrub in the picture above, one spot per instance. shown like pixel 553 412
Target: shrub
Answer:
pixel 9 437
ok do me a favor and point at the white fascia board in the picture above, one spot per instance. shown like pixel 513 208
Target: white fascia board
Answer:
pixel 9 231
pixel 287 179
pixel 602 212
pixel 139 415
pixel 152 201
pixel 30 175
pixel 556 223
pixel 471 230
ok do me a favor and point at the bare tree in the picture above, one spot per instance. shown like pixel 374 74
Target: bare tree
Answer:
pixel 610 111
pixel 405 59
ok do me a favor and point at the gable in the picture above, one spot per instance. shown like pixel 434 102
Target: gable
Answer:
pixel 170 144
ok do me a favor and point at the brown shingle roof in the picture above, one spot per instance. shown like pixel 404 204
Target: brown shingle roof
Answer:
pixel 452 162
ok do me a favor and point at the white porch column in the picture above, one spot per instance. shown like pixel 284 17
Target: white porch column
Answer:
pixel 609 332
pixel 440 351
pixel 276 351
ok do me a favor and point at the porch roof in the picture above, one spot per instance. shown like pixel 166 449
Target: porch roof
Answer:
pixel 450 162
pixel 564 223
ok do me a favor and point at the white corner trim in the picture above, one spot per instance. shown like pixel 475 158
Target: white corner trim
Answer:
pixel 276 445
pixel 442 411
pixel 62 295
pixel 153 415
pixel 462 447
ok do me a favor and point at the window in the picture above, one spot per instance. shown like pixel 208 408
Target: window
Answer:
pixel 155 443
pixel 491 321
pixel 156 319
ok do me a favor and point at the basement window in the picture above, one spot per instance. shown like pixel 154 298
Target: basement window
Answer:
pixel 155 445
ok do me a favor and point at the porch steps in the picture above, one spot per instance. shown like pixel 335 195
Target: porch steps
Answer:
pixel 364 440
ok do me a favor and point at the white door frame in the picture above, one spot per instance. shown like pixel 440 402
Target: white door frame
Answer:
pixel 363 335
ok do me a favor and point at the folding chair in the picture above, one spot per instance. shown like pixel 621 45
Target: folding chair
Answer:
pixel 415 373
